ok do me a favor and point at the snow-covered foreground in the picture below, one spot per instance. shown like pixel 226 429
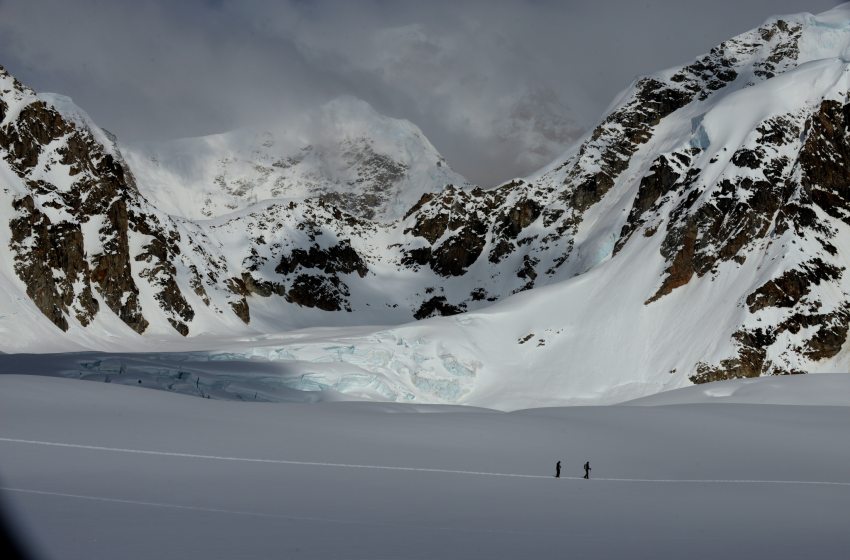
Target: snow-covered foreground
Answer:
pixel 95 470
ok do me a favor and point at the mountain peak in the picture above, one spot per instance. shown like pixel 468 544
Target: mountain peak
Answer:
pixel 370 165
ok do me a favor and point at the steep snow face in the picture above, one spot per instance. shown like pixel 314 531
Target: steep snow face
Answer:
pixel 367 164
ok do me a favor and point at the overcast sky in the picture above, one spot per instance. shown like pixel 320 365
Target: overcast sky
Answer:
pixel 499 87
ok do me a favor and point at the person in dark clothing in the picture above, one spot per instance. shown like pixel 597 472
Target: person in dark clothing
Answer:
pixel 558 470
pixel 587 470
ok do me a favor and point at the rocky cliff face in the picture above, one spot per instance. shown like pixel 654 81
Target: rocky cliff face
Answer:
pixel 729 176
pixel 47 240
pixel 81 235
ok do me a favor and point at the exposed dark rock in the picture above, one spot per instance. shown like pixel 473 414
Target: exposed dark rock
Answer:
pixel 111 269
pixel 41 247
pixel 478 294
pixel 778 131
pixel 825 159
pixel 784 53
pixel 830 336
pixel 237 286
pixel 436 306
pixel 329 292
pixel 708 74
pixel 320 292
pixel 455 223
pixel 197 284
pixel 751 360
pixel 100 191
pixel 622 132
pixel 527 271
pixel 36 126
pixel 551 216
pixel 718 230
pixel 659 181
pixel 500 250
pixel 423 200
pixel 262 288
pixel 161 273
pixel 181 328
pixel 678 247
pixel 746 157
pixel 240 306
pixel 417 257
pixel 241 309
pixel 337 259
pixel 445 211
pixel 456 254
pixel 513 220
pixel 788 289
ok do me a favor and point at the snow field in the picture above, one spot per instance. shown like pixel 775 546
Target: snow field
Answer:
pixel 218 479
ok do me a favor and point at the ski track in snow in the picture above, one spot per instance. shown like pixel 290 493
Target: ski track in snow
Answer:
pixel 268 515
pixel 397 468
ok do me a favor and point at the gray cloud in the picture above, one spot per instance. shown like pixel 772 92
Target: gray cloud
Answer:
pixel 500 87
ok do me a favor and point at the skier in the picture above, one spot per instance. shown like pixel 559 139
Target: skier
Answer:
pixel 558 470
pixel 587 470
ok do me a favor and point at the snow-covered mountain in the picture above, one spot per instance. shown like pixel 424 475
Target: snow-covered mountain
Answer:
pixel 367 164
pixel 699 232
pixel 82 247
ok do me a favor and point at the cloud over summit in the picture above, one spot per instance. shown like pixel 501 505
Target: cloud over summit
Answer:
pixel 499 87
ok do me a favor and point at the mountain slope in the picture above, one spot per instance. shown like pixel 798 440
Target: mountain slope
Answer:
pixel 699 232
pixel 81 239
pixel 702 218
